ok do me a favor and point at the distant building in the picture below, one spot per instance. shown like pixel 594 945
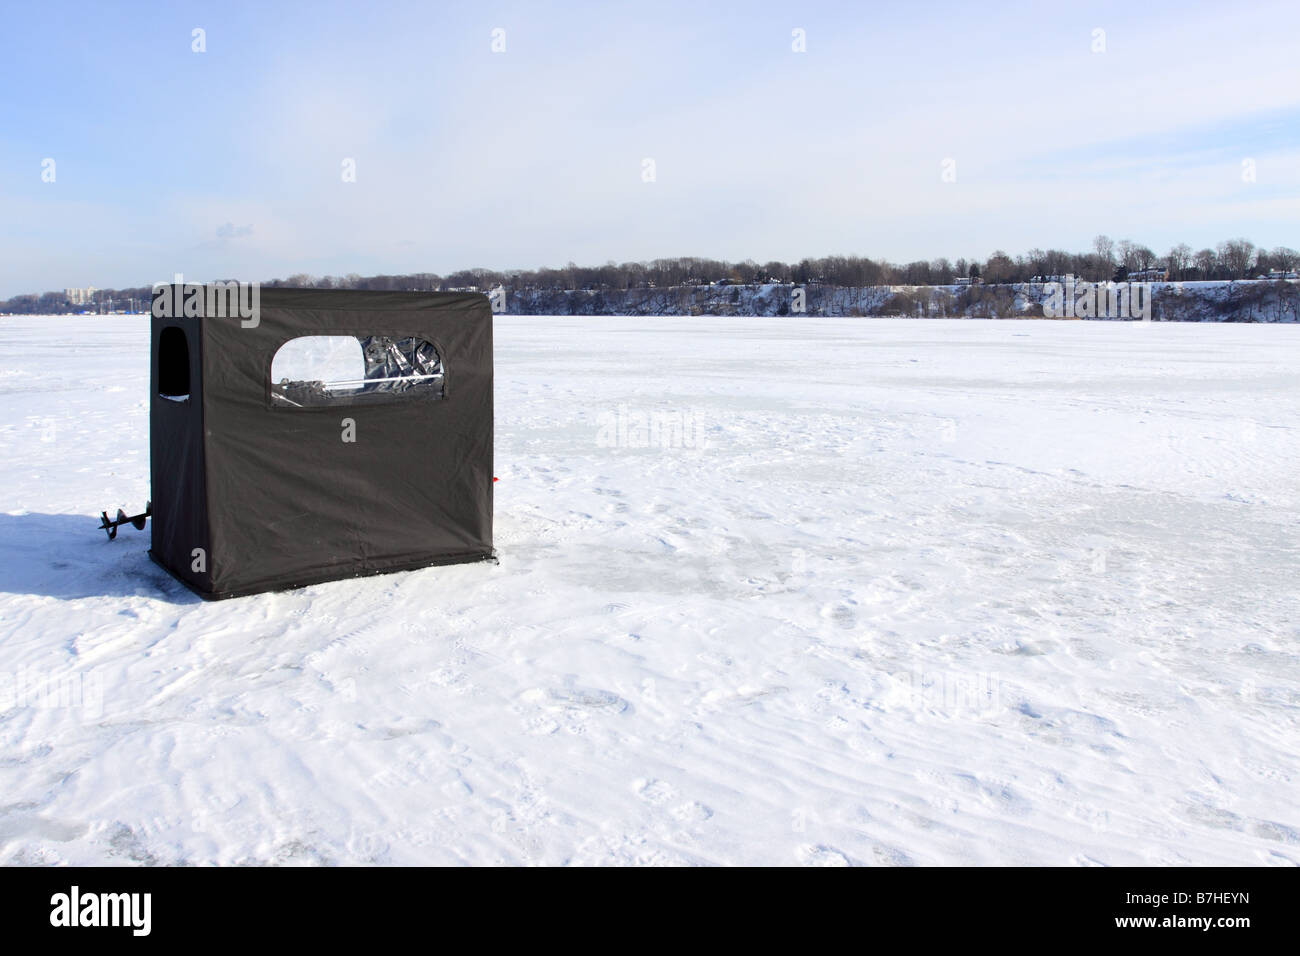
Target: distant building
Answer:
pixel 1156 274
pixel 81 296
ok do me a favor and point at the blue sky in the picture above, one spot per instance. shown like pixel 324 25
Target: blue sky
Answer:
pixel 228 163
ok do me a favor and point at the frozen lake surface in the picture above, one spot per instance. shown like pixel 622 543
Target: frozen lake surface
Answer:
pixel 770 591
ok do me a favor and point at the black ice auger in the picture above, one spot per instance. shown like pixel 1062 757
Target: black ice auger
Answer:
pixel 136 521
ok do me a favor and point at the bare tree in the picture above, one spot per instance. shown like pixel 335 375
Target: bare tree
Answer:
pixel 1285 258
pixel 1127 250
pixel 1177 260
pixel 999 268
pixel 1057 263
pixel 1104 247
pixel 1206 260
pixel 1034 262
pixel 1236 256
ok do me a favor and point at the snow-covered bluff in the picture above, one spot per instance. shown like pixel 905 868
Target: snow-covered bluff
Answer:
pixel 1242 301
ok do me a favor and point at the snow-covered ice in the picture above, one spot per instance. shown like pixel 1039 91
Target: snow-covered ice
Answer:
pixel 895 592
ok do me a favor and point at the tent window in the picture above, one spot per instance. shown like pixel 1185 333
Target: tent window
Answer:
pixel 315 370
pixel 173 364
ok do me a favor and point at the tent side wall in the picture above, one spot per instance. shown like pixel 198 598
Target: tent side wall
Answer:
pixel 298 495
pixel 178 492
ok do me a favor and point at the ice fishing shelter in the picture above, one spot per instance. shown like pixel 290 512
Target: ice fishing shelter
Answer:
pixel 381 462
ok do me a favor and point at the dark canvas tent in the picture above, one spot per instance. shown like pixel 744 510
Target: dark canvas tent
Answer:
pixel 261 484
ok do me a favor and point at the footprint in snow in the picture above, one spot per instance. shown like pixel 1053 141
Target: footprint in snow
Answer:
pixel 843 616
pixel 367 847
pixel 692 812
pixel 586 698
pixel 891 856
pixel 809 855
pixel 653 792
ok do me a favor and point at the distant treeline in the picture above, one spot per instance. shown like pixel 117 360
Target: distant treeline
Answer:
pixel 1232 259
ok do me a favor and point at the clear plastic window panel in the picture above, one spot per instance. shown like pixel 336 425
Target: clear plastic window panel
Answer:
pixel 341 369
